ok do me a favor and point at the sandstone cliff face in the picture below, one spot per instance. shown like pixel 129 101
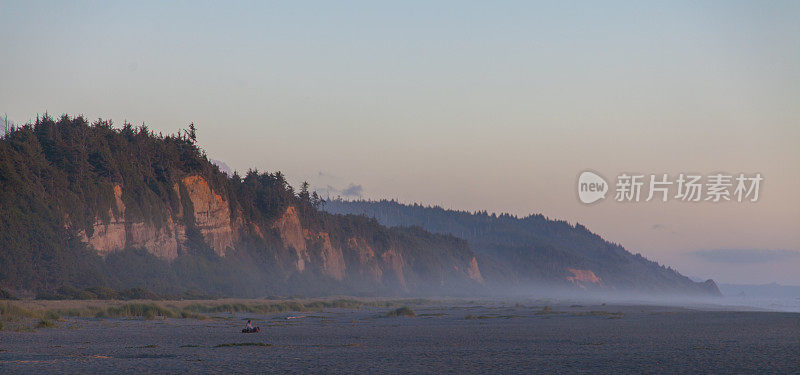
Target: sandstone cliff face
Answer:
pixel 162 243
pixel 111 236
pixel 582 278
pixel 392 262
pixel 473 271
pixel 369 267
pixel 291 233
pixel 119 233
pixel 331 259
pixel 385 266
pixel 310 249
pixel 212 218
pixel 302 249
pixel 212 214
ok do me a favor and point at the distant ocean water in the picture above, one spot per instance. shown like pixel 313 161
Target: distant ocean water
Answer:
pixel 768 303
pixel 766 296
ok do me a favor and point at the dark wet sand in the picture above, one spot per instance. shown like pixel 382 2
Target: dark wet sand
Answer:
pixel 499 339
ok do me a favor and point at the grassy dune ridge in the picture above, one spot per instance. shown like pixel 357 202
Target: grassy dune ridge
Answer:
pixel 24 315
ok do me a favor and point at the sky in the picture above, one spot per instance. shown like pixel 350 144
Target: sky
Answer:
pixel 495 106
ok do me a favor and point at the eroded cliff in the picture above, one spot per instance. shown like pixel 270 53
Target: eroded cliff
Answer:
pixel 210 211
pixel 94 205
pixel 308 250
pixel 212 215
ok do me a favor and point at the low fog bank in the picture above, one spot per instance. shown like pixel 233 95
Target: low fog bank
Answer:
pixel 769 296
pixel 571 296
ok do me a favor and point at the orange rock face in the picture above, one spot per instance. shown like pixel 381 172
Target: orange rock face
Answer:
pixel 332 260
pixel 302 249
pixel 212 217
pixel 162 243
pixel 393 261
pixel 473 271
pixel 308 246
pixel 109 237
pixel 366 258
pixel 120 233
pixel 583 276
pixel 212 214
pixel 291 233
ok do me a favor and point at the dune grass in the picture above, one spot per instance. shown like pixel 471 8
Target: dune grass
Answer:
pixel 9 310
pixel 44 323
pixel 403 311
pixel 17 318
pixel 143 310
pixel 35 314
pixel 293 306
pixel 147 311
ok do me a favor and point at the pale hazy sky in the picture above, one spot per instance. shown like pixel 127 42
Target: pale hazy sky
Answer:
pixel 471 105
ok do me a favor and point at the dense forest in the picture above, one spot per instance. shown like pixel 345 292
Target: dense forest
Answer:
pixel 536 249
pixel 57 184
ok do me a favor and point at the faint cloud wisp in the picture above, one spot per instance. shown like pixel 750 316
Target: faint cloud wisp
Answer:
pixel 352 191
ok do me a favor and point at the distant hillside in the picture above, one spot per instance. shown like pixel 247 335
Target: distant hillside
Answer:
pixel 98 206
pixel 537 250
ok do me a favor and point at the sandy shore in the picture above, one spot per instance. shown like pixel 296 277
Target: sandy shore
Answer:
pixel 443 337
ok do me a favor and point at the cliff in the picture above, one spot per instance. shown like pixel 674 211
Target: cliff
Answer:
pixel 99 206
pixel 210 211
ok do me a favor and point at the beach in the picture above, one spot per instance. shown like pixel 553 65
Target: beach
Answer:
pixel 451 337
